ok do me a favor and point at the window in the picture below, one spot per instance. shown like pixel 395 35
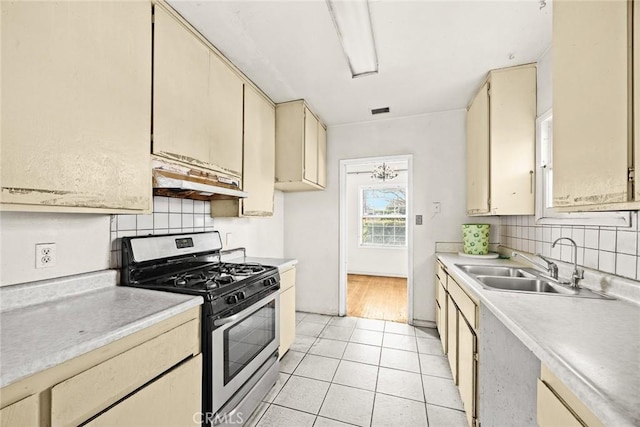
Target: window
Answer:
pixel 383 216
pixel 545 214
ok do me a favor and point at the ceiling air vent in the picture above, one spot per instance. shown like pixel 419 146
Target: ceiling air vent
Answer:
pixel 380 110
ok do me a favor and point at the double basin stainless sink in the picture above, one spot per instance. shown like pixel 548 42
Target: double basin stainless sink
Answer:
pixel 517 279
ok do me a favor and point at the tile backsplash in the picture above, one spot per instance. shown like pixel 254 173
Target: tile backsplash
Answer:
pixel 612 250
pixel 170 215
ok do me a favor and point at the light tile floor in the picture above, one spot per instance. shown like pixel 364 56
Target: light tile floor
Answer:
pixel 345 371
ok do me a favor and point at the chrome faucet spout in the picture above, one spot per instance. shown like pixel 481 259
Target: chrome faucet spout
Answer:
pixel 578 273
pixel 551 266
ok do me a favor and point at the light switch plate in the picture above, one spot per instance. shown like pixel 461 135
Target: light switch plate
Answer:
pixel 418 219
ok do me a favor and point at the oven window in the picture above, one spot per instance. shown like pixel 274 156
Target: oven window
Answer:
pixel 246 339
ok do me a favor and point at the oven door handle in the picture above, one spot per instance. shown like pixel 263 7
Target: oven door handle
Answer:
pixel 225 320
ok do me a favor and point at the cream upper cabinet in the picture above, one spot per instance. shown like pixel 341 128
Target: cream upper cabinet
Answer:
pixel 501 144
pixel 322 156
pixel 478 153
pixel 592 138
pixel 226 97
pixel 197 100
pixel 259 154
pixel 76 106
pixel 310 147
pixel 301 146
pixel 259 160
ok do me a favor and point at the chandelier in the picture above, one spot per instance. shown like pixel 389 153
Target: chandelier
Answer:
pixel 383 173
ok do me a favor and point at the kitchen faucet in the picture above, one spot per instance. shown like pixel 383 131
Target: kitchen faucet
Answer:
pixel 577 272
pixel 551 266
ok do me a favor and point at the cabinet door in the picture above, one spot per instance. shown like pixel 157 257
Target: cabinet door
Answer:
pixel 172 400
pixel 225 149
pixel 310 147
pixel 287 319
pixel 452 338
pixel 182 107
pixel 444 308
pixel 259 154
pixel 76 110
pixel 590 102
pixel 467 368
pixel 512 120
pixel 25 412
pixel 322 156
pixel 478 153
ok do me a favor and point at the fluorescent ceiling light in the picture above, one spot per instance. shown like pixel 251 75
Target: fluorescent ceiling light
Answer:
pixel 353 24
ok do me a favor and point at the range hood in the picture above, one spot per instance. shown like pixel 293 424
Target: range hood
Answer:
pixel 172 180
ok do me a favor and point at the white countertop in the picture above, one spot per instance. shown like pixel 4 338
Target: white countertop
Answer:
pixel 283 264
pixel 36 337
pixel 592 345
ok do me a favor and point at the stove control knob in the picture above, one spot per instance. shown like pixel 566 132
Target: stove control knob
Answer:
pixel 241 295
pixel 232 299
pixel 266 282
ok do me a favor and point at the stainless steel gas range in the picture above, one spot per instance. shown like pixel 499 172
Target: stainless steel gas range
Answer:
pixel 240 327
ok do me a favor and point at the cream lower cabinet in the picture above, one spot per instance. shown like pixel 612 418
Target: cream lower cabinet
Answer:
pixel 287 310
pixel 197 99
pixel 259 160
pixel 25 412
pixel 462 342
pixel 76 106
pixel 301 147
pixel 501 143
pixel 153 377
pixel 593 81
pixel 558 406
pixel 442 305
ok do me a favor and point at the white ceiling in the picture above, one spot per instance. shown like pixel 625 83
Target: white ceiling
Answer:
pixel 432 54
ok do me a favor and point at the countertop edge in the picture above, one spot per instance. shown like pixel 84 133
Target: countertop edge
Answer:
pixel 69 353
pixel 283 264
pixel 602 406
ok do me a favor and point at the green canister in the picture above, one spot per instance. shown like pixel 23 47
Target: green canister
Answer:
pixel 476 238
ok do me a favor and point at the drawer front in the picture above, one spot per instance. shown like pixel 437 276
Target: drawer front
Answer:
pixel 86 394
pixel 570 400
pixel 174 399
pixel 442 274
pixel 551 410
pixel 287 279
pixel 440 292
pixel 25 412
pixel 464 303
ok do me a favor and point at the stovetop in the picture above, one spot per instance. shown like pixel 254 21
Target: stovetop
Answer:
pixel 212 278
pixel 190 263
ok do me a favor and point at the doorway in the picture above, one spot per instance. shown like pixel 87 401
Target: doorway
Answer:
pixel 376 238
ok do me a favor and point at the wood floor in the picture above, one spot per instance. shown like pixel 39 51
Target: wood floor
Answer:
pixel 375 297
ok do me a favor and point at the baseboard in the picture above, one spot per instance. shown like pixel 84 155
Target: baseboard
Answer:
pixel 363 273
pixel 424 323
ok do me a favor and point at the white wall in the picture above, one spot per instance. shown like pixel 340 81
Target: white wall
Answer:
pixel 370 260
pixel 263 237
pixel 437 142
pixel 82 244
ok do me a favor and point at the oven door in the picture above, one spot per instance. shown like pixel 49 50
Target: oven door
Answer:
pixel 241 343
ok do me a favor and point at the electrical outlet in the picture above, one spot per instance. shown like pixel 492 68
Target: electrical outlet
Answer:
pixel 435 207
pixel 45 255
